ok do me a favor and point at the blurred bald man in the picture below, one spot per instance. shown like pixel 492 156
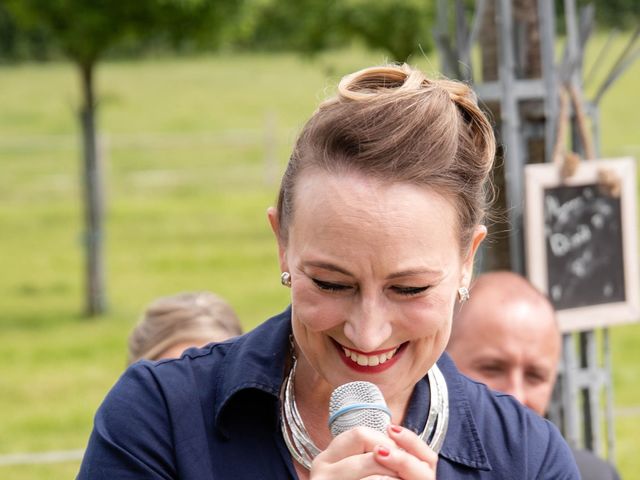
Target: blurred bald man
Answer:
pixel 507 337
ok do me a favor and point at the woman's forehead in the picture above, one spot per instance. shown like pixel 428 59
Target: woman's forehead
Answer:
pixel 356 193
pixel 349 213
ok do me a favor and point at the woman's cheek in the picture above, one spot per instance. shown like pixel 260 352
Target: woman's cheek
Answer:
pixel 317 312
pixel 427 316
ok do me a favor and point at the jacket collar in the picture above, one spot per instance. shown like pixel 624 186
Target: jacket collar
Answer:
pixel 462 443
pixel 258 361
pixel 255 361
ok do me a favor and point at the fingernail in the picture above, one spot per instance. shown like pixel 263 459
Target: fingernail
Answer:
pixel 383 451
pixel 396 428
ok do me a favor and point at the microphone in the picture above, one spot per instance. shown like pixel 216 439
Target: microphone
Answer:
pixel 358 404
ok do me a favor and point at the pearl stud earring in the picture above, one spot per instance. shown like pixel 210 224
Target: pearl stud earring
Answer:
pixel 285 279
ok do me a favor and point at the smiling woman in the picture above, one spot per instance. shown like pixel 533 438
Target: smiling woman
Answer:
pixel 378 221
pixel 369 279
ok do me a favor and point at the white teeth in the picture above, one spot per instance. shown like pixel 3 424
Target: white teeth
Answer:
pixel 369 360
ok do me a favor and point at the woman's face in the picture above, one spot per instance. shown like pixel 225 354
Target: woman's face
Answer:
pixel 375 268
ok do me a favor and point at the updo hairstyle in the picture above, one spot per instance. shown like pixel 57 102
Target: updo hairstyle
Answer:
pixel 396 125
pixel 198 317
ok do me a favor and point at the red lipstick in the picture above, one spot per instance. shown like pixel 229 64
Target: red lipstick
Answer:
pixel 381 367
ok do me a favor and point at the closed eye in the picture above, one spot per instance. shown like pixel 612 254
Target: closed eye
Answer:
pixel 409 291
pixel 331 287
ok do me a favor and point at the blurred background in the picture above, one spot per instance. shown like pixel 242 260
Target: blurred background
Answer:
pixel 194 105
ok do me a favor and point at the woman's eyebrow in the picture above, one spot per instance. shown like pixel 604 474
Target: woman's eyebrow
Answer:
pixel 403 273
pixel 328 266
pixel 414 272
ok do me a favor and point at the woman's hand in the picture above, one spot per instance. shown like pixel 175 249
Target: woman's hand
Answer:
pixel 351 456
pixel 411 459
pixel 363 453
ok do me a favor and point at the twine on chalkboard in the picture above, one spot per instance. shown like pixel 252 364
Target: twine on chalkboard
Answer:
pixel 609 182
pixel 568 161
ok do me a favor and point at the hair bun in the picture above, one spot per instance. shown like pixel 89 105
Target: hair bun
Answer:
pixel 393 82
pixel 387 79
pixel 459 92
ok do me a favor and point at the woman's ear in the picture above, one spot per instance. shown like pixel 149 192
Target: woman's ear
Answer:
pixel 272 216
pixel 479 234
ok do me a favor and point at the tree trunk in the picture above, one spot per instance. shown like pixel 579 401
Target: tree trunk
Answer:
pixel 489 42
pixel 93 198
pixel 530 57
pixel 529 54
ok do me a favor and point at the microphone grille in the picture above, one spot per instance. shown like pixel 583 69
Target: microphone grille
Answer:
pixel 357 404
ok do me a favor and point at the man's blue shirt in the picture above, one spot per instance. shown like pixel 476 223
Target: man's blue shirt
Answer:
pixel 214 414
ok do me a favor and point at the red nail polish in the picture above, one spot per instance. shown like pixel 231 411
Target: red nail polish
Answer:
pixel 383 451
pixel 396 428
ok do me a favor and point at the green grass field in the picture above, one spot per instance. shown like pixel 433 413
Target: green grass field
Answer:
pixel 187 187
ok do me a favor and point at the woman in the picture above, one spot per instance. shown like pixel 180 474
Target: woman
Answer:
pixel 378 221
pixel 172 324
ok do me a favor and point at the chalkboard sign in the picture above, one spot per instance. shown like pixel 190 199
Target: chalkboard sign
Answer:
pixel 581 240
pixel 583 234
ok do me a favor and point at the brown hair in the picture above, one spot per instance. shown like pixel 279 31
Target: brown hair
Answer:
pixel 393 123
pixel 186 317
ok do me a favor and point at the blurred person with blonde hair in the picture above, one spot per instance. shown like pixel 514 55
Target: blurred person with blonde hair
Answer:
pixel 172 324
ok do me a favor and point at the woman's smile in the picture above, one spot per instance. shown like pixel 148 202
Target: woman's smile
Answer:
pixel 369 362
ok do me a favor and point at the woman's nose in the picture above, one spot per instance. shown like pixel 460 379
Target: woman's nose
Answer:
pixel 369 324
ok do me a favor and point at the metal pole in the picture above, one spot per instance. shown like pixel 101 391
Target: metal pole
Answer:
pixel 510 116
pixel 569 392
pixel 606 341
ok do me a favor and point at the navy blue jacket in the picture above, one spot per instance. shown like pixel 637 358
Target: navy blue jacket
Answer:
pixel 214 414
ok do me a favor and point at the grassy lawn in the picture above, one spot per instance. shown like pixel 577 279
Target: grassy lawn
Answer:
pixel 187 189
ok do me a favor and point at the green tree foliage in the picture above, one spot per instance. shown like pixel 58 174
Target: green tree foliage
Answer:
pixel 616 13
pixel 398 27
pixel 18 43
pixel 86 30
pixel 305 25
